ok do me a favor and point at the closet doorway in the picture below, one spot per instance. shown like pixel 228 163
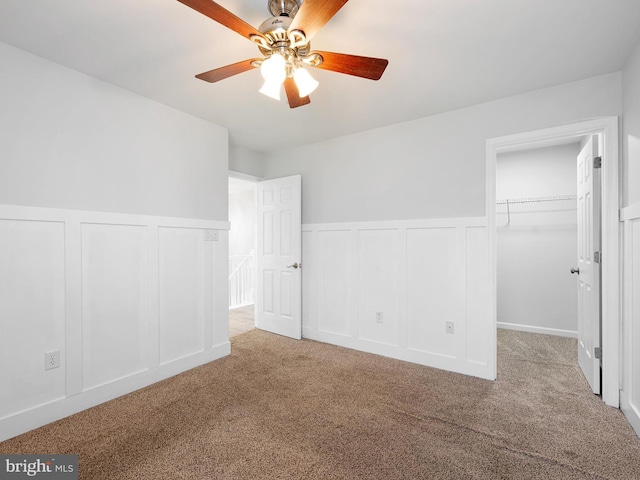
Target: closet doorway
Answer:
pixel 537 239
pixel 242 253
pixel 606 130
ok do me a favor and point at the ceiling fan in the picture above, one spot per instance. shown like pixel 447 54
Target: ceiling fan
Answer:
pixel 284 42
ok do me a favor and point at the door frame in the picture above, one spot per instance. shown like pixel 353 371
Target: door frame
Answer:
pixel 608 128
pixel 254 179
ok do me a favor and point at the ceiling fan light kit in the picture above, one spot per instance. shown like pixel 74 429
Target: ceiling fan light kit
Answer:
pixel 284 42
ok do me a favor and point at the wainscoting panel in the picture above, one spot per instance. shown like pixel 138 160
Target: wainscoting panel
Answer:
pixel 433 293
pixel 114 302
pixel 127 300
pixel 336 279
pixel 630 394
pixel 392 288
pixel 182 292
pixel 378 282
pixel 310 282
pixel 32 313
pixel 479 344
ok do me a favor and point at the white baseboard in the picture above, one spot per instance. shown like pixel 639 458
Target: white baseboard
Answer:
pixel 441 362
pixel 50 412
pixel 542 330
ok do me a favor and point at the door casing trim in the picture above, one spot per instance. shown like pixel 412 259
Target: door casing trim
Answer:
pixel 608 129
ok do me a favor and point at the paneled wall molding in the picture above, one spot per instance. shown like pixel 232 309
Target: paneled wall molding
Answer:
pixel 630 393
pixel 127 300
pixel 632 212
pixel 414 290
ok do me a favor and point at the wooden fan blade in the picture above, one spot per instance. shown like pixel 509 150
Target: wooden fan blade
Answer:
pixel 293 95
pixel 221 73
pixel 313 14
pixel 223 16
pixel 365 67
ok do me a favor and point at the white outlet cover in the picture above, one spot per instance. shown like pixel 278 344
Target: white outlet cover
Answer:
pixel 210 235
pixel 51 359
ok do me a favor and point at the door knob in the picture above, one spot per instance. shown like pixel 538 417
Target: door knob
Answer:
pixel 295 265
pixel 575 270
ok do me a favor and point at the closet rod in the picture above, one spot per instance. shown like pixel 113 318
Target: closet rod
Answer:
pixel 518 201
pixel 512 201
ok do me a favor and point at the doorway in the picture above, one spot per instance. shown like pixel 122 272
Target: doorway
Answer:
pixel 537 239
pixel 265 254
pixel 242 254
pixel 607 130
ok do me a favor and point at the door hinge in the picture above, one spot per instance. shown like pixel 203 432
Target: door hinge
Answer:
pixel 597 352
pixel 597 162
pixel 597 257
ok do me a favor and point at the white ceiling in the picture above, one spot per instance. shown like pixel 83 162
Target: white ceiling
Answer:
pixel 443 55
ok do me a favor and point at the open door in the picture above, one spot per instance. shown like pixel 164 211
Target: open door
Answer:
pixel 279 294
pixel 588 271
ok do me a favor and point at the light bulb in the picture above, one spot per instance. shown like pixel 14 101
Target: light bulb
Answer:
pixel 304 81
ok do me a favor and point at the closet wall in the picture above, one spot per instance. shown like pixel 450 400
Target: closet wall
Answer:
pixel 537 240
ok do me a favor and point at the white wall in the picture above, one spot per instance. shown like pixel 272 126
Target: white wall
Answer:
pixel 246 161
pixel 423 170
pixel 631 130
pixel 115 273
pixel 630 395
pixel 242 216
pixel 71 141
pixel 537 242
pixel 433 167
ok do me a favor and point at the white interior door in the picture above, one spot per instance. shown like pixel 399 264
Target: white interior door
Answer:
pixel 588 270
pixel 279 295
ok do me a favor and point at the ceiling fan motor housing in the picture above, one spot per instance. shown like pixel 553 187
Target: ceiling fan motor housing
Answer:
pixel 276 31
pixel 275 28
pixel 285 8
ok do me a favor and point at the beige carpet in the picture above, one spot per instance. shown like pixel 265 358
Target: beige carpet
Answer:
pixel 279 408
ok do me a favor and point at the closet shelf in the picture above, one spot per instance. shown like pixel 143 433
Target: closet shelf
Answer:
pixel 516 201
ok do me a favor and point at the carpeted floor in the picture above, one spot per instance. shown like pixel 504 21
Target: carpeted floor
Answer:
pixel 286 409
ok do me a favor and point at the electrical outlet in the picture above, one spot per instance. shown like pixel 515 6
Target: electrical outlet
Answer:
pixel 210 235
pixel 51 359
pixel 378 317
pixel 450 328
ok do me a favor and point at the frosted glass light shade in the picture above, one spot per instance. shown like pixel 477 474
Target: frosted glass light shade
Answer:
pixel 274 71
pixel 271 89
pixel 304 81
pixel 274 68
